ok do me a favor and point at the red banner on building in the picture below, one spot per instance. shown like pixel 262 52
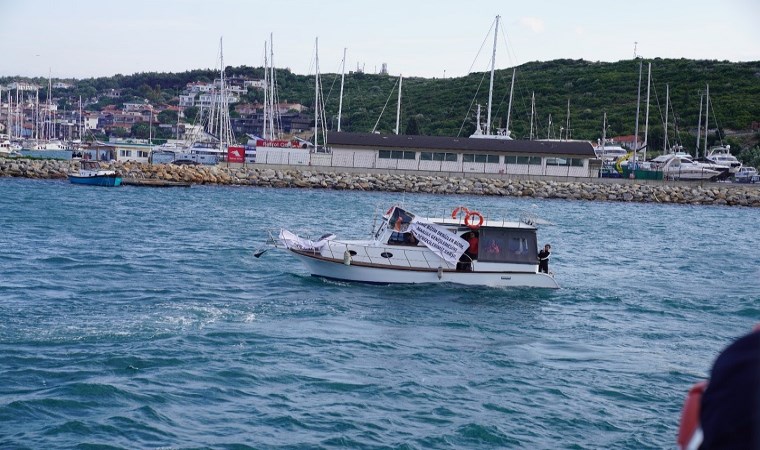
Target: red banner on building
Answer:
pixel 273 143
pixel 235 154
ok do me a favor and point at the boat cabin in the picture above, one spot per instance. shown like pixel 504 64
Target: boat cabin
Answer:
pixel 497 242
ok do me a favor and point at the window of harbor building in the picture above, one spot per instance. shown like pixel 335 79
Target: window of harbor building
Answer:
pixel 573 162
pixel 395 154
pixel 480 158
pixel 531 160
pixel 438 156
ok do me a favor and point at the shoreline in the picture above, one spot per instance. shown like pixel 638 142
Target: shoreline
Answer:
pixel 590 189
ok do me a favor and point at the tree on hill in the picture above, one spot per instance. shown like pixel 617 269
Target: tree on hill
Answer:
pixel 167 116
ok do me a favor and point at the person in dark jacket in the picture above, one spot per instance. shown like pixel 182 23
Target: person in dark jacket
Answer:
pixel 730 409
pixel 543 259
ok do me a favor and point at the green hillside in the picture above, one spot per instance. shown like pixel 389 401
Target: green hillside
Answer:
pixel 447 106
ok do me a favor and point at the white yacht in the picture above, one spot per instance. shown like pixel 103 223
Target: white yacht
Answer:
pixel 609 151
pixel 7 148
pixel 466 248
pixel 676 166
pixel 723 157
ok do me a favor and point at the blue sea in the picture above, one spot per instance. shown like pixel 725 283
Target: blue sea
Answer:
pixel 139 318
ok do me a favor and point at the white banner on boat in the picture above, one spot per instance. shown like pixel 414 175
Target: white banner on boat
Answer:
pixel 292 240
pixel 441 241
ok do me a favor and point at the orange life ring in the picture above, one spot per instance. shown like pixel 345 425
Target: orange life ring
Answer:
pixel 473 225
pixel 459 209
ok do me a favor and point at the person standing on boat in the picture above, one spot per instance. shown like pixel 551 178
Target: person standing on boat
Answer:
pixel 543 259
pixel 472 250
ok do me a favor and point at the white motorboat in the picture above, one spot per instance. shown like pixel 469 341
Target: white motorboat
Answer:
pixel 9 149
pixel 409 249
pixel 680 167
pixel 723 157
pixel 610 151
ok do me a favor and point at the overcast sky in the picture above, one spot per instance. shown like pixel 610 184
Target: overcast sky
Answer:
pixel 87 38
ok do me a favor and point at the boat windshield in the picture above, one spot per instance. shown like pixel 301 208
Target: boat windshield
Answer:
pixel 507 245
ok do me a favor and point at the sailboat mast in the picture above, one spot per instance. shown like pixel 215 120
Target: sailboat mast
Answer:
pixel 511 91
pixel 150 128
pixel 266 93
pixel 493 67
pixel 646 120
pixel 532 112
pixel 272 91
pixel 17 120
pixel 707 118
pixel 604 131
pixel 699 125
pixel 342 80
pixel 638 105
pixel 37 115
pixel 221 94
pixel 80 118
pixel 10 124
pixel 567 125
pixel 667 111
pixel 398 105
pixel 51 118
pixel 316 93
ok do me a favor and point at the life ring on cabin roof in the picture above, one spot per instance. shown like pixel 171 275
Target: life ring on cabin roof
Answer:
pixel 473 225
pixel 459 209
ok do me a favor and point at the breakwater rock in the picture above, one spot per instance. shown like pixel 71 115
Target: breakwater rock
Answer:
pixel 498 185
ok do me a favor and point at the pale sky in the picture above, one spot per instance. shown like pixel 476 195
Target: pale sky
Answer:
pixel 427 38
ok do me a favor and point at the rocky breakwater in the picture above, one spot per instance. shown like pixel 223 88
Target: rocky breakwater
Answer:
pixel 622 191
pixel 31 168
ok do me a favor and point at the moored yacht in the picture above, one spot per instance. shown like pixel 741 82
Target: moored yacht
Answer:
pixel 609 151
pixel 722 156
pixel 681 167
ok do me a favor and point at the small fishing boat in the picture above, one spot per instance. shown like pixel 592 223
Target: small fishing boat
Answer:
pixel 91 174
pixel 466 248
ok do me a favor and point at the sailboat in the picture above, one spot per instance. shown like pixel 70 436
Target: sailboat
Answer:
pixel 216 142
pixel 319 121
pixel 720 154
pixel 502 133
pixel 271 135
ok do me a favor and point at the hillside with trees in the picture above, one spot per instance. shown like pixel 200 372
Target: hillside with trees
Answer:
pixel 447 107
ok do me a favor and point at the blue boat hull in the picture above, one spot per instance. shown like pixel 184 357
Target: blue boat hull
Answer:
pixel 96 181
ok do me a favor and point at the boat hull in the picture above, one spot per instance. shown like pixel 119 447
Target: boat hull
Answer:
pixel 101 180
pixel 377 274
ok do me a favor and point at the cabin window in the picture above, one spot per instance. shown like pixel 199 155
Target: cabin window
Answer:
pixel 507 246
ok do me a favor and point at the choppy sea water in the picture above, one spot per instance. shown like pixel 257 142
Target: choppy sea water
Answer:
pixel 139 318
